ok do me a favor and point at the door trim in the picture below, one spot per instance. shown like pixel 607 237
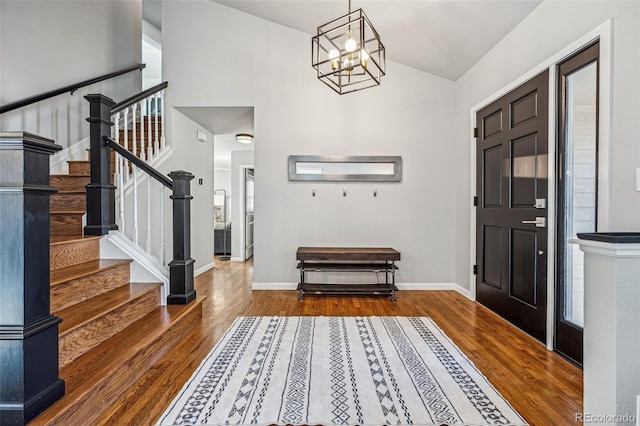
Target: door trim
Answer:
pixel 603 33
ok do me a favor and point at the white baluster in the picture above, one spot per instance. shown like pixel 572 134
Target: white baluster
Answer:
pixel 135 204
pixel 116 120
pixel 121 166
pixel 162 256
pixel 162 141
pixel 148 248
pixel 126 140
pixel 149 132
pixel 156 138
pixel 144 156
pixel 134 132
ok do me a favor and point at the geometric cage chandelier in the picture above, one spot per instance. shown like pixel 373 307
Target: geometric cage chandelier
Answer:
pixel 347 53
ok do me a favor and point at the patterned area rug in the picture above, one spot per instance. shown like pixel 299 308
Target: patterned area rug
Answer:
pixel 337 371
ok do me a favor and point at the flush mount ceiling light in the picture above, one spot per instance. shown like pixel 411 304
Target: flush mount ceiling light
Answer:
pixel 347 53
pixel 244 138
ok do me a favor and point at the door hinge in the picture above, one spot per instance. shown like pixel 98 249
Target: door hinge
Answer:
pixel 475 269
pixel 475 132
pixel 475 201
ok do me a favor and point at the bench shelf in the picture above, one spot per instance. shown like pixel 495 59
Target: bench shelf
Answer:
pixel 348 259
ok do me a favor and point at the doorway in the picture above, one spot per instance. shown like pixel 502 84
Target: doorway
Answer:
pixel 511 212
pixel 577 183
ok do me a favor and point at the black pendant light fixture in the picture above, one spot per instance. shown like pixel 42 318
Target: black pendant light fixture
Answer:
pixel 347 53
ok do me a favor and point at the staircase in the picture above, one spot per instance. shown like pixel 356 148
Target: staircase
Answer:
pixel 113 330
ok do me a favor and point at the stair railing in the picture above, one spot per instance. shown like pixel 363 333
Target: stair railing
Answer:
pixel 71 88
pixel 101 217
pixel 140 119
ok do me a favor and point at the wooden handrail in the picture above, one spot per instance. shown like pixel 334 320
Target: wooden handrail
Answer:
pixel 120 106
pixel 71 88
pixel 138 162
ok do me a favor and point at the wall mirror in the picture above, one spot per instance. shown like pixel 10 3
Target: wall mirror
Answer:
pixel 345 168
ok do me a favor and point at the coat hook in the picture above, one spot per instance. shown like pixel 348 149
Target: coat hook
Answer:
pixel 375 192
pixel 313 192
pixel 344 192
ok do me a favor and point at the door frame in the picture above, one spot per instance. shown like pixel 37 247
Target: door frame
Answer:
pixel 241 229
pixel 603 33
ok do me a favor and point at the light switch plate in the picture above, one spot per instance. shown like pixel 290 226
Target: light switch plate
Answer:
pixel 638 179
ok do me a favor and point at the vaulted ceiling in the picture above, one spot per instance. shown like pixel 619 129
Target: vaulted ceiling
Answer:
pixel 441 37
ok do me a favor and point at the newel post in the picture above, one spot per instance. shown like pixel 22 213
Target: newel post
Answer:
pixel 181 267
pixel 29 377
pixel 101 201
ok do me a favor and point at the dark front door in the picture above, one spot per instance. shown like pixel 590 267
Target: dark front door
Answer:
pixel 511 240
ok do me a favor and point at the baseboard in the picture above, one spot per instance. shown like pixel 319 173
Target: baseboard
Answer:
pixel 237 259
pixel 274 286
pixel 401 286
pixel 204 269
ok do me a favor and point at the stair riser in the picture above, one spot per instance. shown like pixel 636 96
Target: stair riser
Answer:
pixel 66 224
pixel 69 183
pixel 76 291
pixel 81 339
pixel 65 202
pixel 74 253
pixel 85 411
pixel 79 168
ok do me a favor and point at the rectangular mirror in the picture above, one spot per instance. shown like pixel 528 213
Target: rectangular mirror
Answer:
pixel 345 168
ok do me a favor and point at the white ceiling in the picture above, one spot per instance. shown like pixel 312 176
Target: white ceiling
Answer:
pixel 441 37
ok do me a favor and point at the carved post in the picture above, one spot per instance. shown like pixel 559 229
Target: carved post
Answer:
pixel 181 267
pixel 29 381
pixel 101 201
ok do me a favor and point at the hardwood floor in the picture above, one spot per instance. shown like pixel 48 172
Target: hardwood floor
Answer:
pixel 543 387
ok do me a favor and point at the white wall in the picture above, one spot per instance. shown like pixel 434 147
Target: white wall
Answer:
pixel 222 179
pixel 46 45
pixel 249 61
pixel 546 31
pixel 197 158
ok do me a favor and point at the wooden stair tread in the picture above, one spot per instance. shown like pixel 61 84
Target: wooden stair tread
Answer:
pixel 100 359
pixel 67 212
pixel 73 317
pixel 71 191
pixel 68 176
pixel 102 374
pixel 61 239
pixel 73 272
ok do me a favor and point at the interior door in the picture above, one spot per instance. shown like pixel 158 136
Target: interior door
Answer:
pixel 512 184
pixel 248 214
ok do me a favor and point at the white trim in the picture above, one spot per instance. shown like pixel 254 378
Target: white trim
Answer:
pixel 604 33
pixel 204 269
pixel 77 151
pixel 552 142
pixel 242 200
pixel 401 287
pixel 274 286
pixel 603 248
pixel 145 268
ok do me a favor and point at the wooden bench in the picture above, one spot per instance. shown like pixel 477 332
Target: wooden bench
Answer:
pixel 348 259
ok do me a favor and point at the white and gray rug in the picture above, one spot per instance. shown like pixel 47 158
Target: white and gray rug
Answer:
pixel 337 371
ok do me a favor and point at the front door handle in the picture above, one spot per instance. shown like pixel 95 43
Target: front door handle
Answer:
pixel 540 222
